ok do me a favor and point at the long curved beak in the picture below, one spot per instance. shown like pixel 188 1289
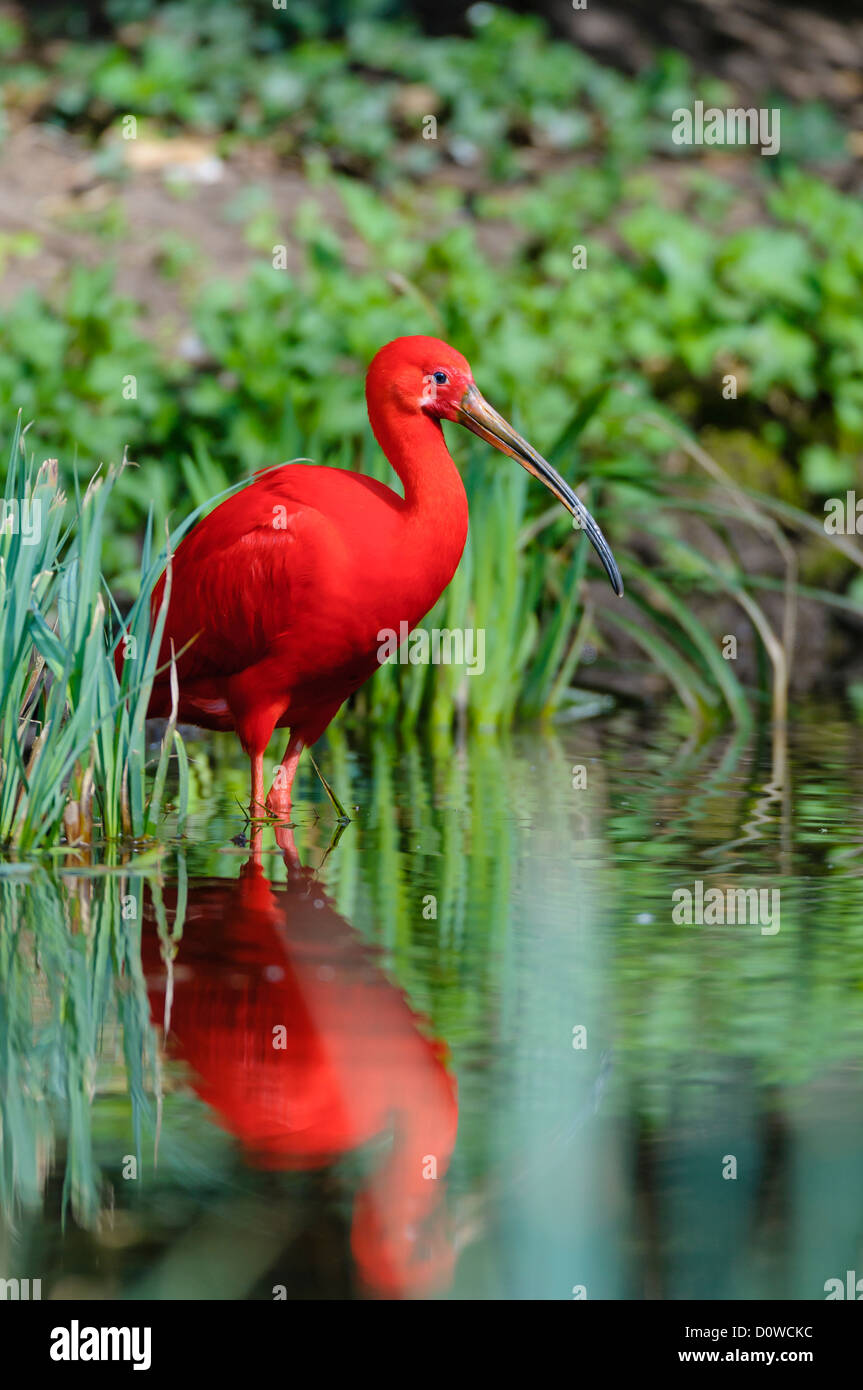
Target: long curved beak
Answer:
pixel 475 413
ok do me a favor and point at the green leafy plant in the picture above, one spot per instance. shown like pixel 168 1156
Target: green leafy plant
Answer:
pixel 72 734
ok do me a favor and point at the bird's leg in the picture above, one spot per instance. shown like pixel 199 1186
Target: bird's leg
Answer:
pixel 286 843
pixel 256 806
pixel 279 799
pixel 255 843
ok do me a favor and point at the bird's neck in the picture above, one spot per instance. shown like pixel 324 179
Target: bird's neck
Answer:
pixel 435 513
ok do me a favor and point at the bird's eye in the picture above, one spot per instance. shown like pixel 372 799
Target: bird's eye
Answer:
pixel 441 378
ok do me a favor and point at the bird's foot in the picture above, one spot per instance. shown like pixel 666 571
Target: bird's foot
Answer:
pixel 279 803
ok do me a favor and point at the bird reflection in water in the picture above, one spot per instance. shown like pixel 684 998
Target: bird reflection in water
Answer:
pixel 306 1051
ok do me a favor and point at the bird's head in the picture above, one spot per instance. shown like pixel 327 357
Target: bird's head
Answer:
pixel 425 376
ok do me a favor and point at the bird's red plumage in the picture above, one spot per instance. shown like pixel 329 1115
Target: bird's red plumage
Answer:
pixel 279 595
pixel 354 1063
pixel 280 598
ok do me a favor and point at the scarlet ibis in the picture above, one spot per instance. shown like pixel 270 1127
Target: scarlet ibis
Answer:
pixel 306 1053
pixel 280 595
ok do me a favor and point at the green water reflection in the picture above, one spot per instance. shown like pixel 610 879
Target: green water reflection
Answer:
pixel 495 920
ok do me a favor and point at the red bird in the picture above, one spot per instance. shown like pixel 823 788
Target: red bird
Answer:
pixel 353 1065
pixel 279 595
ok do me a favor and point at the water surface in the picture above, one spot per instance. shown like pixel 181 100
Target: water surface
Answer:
pixel 466 1052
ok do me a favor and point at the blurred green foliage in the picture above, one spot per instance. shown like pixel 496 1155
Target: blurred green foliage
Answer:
pixel 698 268
pixel 672 293
pixel 550 906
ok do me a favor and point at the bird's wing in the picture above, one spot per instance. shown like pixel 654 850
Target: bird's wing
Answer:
pixel 237 577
